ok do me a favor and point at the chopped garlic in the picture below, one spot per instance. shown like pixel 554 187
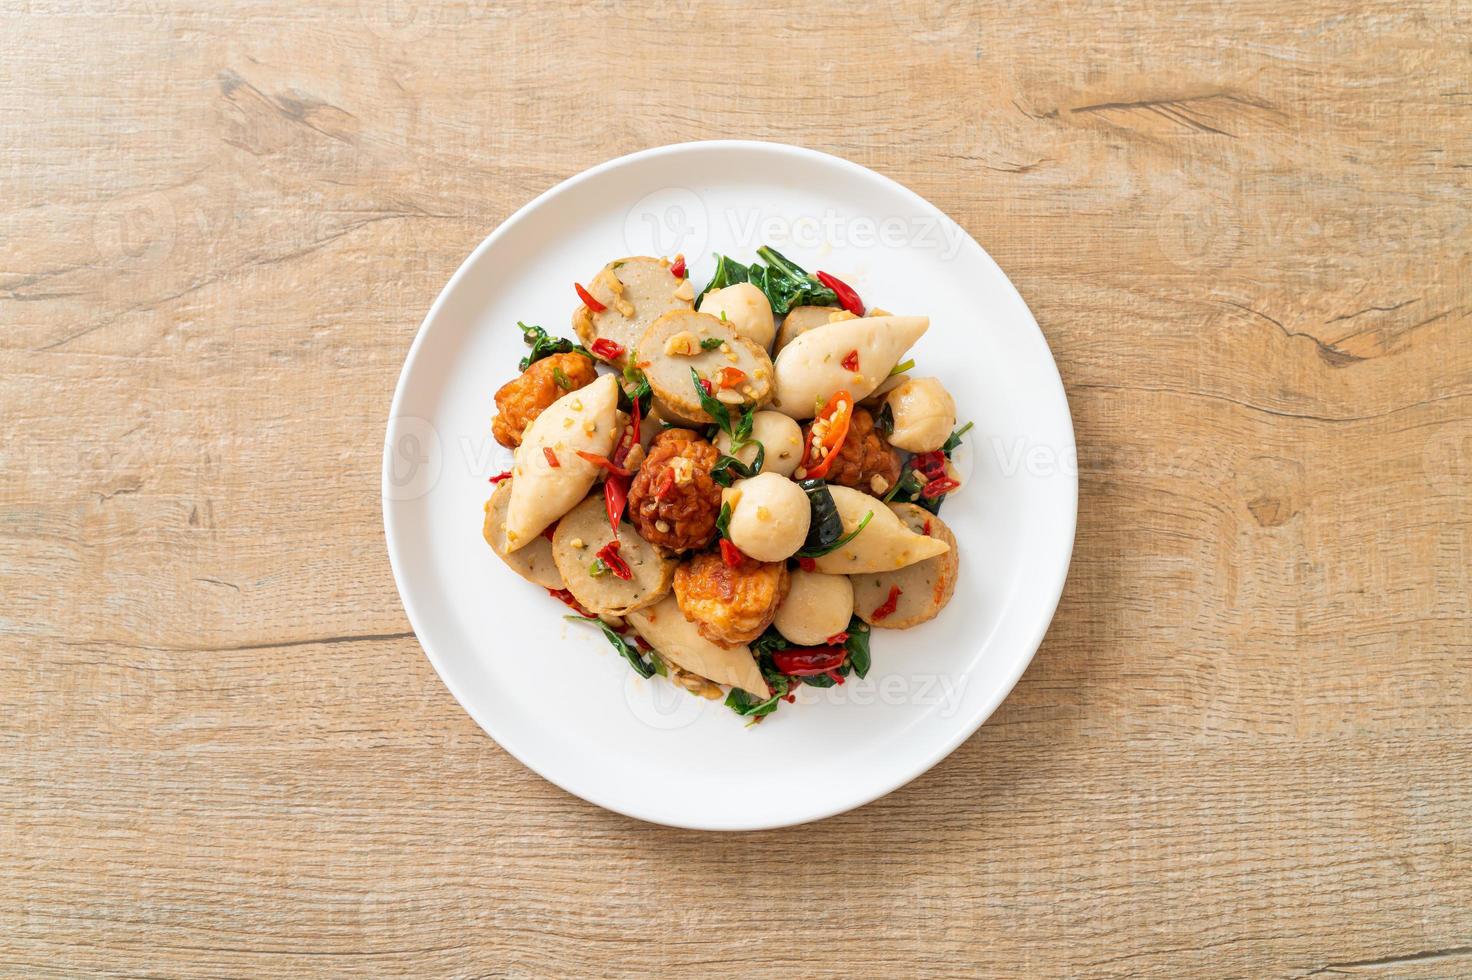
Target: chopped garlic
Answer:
pixel 682 344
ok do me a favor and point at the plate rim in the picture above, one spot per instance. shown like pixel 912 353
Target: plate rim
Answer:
pixel 396 563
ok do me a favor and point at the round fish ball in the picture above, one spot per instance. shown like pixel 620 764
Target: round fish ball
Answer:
pixel 817 606
pixel 924 415
pixel 769 516
pixel 746 309
pixel 781 439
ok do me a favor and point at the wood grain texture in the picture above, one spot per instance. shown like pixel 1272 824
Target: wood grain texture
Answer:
pixel 1244 747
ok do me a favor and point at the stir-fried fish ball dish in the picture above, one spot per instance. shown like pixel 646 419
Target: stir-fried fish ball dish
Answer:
pixel 734 485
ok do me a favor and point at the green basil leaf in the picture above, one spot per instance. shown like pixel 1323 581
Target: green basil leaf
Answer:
pixel 728 272
pixel 543 345
pixel 906 489
pixel 955 440
pixel 884 420
pixel 711 343
pixel 723 521
pixel 857 645
pixel 821 551
pixel 742 435
pixel 826 526
pixel 749 707
pixel 727 465
pixel 713 406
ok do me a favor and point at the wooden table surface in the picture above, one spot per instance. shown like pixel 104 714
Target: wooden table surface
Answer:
pixel 1244 747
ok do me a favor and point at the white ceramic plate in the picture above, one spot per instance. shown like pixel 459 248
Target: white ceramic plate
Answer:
pixel 554 694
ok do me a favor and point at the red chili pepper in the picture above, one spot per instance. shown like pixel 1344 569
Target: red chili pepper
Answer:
pixel 931 465
pixel 731 377
pixel 834 676
pixel 806 564
pixel 709 388
pixel 678 269
pixel 608 554
pixel 938 487
pixel 847 298
pixel 588 299
pixel 616 487
pixel 808 661
pixel 615 499
pixel 666 484
pixel 730 554
pixel 837 639
pixel 927 527
pixel 607 349
pixel 888 606
pixel 850 361
pixel 642 643
pixel 838 420
pixel 548 531
pixel 790 698
pixel 604 462
pixel 551 456
pixel 567 598
pixel 506 475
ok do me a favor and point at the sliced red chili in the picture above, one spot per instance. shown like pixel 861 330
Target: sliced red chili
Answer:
pixel 504 475
pixel 604 462
pixel 678 269
pixel 607 349
pixel 642 643
pixel 730 554
pixel 551 456
pixel 567 598
pixel 834 676
pixel 808 661
pixel 837 414
pixel 931 465
pixel 927 527
pixel 588 299
pixel 850 361
pixel 847 298
pixel 615 499
pixel 837 640
pixel 806 564
pixel 666 484
pixel 709 388
pixel 608 554
pixel 888 606
pixel 731 377
pixel 548 531
pixel 938 487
